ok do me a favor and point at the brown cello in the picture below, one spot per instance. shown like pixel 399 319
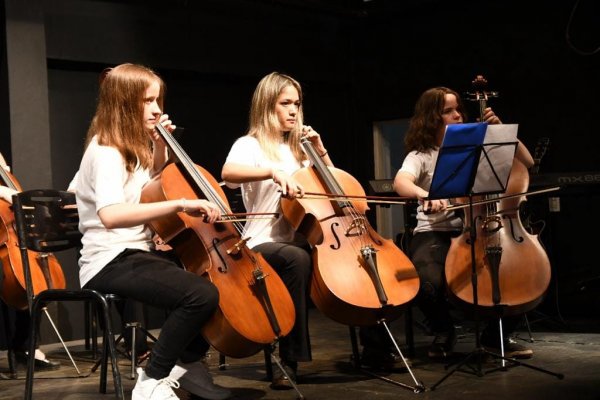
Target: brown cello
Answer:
pixel 359 278
pixel 512 267
pixel 255 308
pixel 46 272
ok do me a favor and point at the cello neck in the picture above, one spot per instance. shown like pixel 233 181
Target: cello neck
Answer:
pixel 7 180
pixel 329 180
pixel 200 183
pixel 482 107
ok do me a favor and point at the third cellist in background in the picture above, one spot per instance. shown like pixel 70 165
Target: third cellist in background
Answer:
pixel 436 108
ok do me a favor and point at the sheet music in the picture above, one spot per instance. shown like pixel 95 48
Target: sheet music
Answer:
pixel 500 144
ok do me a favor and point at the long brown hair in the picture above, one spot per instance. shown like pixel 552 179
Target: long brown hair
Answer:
pixel 264 124
pixel 427 119
pixel 118 121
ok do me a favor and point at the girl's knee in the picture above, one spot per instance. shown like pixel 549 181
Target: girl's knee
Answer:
pixel 303 265
pixel 206 294
pixel 212 294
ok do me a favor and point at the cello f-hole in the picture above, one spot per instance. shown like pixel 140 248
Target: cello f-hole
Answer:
pixel 337 244
pixel 223 266
pixel 513 234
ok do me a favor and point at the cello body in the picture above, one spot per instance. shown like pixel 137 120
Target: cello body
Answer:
pixel 513 269
pixel 46 272
pixel 241 325
pixel 345 286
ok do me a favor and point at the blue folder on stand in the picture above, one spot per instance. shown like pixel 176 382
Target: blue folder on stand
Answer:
pixel 457 161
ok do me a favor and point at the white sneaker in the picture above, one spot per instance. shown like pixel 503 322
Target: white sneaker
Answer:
pixel 147 388
pixel 196 379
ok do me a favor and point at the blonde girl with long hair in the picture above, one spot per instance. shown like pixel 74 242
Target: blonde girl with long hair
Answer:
pixel 262 163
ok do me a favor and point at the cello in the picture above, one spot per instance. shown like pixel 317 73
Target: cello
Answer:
pixel 255 308
pixel 46 272
pixel 512 267
pixel 359 278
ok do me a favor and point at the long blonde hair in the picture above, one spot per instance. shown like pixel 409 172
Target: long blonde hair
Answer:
pixel 264 124
pixel 118 121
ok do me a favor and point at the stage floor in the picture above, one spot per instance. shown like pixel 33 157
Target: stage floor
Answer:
pixel 572 350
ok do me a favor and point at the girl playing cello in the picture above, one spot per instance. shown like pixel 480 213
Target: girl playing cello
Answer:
pixel 123 152
pixel 436 108
pixel 262 163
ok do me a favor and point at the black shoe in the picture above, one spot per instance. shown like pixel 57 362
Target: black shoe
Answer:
pixel 511 348
pixel 280 381
pixel 383 359
pixel 443 345
pixel 39 365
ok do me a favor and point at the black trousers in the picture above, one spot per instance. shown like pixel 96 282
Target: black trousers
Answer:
pixel 293 263
pixel 156 279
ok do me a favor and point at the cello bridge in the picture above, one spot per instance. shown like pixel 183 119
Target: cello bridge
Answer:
pixel 492 224
pixel 357 227
pixel 236 248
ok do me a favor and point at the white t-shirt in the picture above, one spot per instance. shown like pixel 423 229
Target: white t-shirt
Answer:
pixel 103 180
pixel 263 196
pixel 421 166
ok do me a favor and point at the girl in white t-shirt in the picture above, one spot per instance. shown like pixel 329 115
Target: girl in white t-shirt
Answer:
pixel 262 163
pixel 436 226
pixel 123 153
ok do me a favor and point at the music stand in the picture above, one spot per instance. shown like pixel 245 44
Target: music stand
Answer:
pixel 475 159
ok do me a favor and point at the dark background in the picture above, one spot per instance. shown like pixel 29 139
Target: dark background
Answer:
pixel 358 62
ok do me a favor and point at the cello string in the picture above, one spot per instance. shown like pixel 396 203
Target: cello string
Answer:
pixel 196 175
pixel 333 187
pixel 346 206
pixel 202 183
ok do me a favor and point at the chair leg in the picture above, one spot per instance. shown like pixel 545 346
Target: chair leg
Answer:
pixel 108 343
pixel 88 322
pixel 134 327
pixel 35 321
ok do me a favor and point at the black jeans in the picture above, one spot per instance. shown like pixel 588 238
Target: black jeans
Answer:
pixel 156 279
pixel 428 252
pixel 293 263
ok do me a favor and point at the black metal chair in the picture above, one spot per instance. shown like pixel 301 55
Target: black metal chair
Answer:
pixel 47 221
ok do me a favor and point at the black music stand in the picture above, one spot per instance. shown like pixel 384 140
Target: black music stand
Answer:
pixel 475 159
